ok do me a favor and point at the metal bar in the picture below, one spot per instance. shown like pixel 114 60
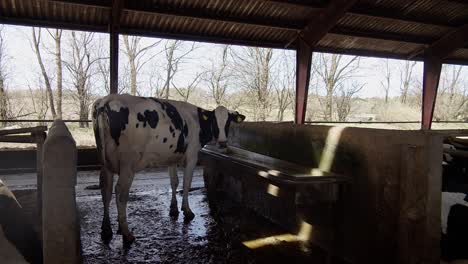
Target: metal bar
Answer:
pixel 431 75
pixel 382 122
pixel 303 64
pixel 43 121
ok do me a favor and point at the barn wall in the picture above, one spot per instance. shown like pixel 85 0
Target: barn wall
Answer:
pixel 393 206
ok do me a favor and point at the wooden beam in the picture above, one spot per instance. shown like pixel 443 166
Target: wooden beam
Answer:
pixel 454 40
pixel 303 64
pixel 431 76
pixel 371 11
pixel 318 26
pixel 114 45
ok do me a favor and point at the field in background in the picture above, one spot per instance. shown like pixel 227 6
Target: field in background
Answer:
pixel 84 137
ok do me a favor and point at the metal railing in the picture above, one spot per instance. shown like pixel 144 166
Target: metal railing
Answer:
pixel 306 122
pixel 43 121
pixel 381 122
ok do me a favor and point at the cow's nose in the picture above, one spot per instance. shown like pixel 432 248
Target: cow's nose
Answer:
pixel 222 144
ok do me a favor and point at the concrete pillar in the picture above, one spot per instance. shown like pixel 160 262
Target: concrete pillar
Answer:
pixel 60 224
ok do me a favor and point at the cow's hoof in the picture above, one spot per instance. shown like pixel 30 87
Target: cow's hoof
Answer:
pixel 188 215
pixel 174 212
pixel 106 235
pixel 128 240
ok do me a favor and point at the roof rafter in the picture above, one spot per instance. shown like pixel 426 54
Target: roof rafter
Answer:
pixel 449 43
pixel 318 26
pixel 443 47
pixel 377 12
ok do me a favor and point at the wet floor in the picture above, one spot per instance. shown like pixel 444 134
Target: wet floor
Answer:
pixel 215 235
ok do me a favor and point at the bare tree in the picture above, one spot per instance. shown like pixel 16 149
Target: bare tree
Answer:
pixel 334 69
pixel 217 78
pixel 176 54
pixel 387 74
pixel 452 95
pixel 4 102
pixel 406 76
pixel 136 55
pixel 80 65
pixel 39 100
pixel 253 66
pixel 185 92
pixel 285 85
pixel 57 36
pixel 36 39
pixel 344 98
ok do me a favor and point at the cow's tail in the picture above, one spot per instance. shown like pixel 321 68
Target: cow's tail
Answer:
pixel 99 124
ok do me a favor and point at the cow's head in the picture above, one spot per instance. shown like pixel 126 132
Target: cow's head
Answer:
pixel 218 121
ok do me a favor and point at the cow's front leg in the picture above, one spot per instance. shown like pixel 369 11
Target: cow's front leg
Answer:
pixel 188 174
pixel 122 189
pixel 174 211
pixel 105 183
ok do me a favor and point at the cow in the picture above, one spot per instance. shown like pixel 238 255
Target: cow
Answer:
pixel 133 133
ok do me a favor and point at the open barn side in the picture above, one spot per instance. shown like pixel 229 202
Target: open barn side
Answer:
pixel 392 207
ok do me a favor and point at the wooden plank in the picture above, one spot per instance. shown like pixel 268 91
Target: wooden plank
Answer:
pixel 303 65
pixel 18 139
pixel 23 130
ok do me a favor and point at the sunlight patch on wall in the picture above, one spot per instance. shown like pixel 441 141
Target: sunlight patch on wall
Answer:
pixel 273 190
pixel 329 151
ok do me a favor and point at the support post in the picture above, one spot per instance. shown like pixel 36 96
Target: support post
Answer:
pixel 60 222
pixel 39 139
pixel 303 63
pixel 431 76
pixel 114 63
pixel 114 46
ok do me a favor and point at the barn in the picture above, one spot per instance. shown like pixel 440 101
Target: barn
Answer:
pixel 342 194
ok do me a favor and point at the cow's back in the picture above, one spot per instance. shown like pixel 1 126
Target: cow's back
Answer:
pixel 141 131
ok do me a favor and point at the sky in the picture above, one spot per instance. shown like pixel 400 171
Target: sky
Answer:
pixel 23 67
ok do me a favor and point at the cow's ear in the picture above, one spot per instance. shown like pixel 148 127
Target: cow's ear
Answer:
pixel 206 115
pixel 238 118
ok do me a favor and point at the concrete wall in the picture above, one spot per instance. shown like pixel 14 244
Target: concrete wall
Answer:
pixel 392 210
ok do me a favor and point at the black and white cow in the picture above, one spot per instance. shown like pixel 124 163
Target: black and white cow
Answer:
pixel 133 133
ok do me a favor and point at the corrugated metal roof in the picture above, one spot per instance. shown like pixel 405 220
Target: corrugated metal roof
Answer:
pixel 390 28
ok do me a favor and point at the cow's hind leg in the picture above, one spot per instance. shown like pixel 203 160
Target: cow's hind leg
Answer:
pixel 105 182
pixel 122 189
pixel 174 211
pixel 188 174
